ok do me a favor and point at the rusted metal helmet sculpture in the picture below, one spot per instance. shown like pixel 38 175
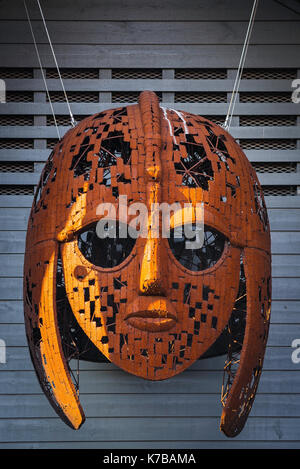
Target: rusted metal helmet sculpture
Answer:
pixel 147 303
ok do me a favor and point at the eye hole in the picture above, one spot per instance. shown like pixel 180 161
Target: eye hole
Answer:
pixel 198 259
pixel 105 252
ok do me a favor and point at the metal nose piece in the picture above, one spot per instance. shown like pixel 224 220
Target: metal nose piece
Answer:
pixel 153 288
pixel 151 281
pixel 151 275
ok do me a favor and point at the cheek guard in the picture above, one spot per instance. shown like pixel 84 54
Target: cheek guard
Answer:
pixel 148 304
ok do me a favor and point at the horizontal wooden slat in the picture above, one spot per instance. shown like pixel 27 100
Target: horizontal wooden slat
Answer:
pixel 281 179
pixel 204 109
pixel 282 202
pixel 180 405
pixel 236 132
pixel 145 32
pixel 124 405
pixel 12 241
pixel 162 56
pixel 14 218
pixel 200 109
pixel 24 179
pixel 155 10
pixel 11 265
pixel 166 85
pixel 12 311
pixel 285 266
pixel 270 156
pixel 285 243
pixel 25 382
pixel 16 201
pixel 276 358
pixel 29 155
pixel 33 179
pixel 284 220
pixel 136 429
pixel 153 444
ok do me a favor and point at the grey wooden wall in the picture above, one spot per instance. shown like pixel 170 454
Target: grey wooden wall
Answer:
pixel 188 52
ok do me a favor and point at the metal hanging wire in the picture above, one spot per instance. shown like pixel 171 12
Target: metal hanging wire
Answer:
pixel 41 68
pixel 240 69
pixel 73 122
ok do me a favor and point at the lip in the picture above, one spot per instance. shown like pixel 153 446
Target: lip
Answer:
pixel 152 321
pixel 154 314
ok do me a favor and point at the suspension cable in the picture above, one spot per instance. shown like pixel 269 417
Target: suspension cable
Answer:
pixel 73 122
pixel 240 69
pixel 41 68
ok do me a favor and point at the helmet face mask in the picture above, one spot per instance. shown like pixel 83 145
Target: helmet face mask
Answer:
pixel 148 304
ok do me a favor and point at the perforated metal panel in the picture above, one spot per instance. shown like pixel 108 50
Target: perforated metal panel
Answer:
pixel 265 97
pixel 200 74
pixel 6 120
pixel 19 96
pixel 198 97
pixel 63 120
pixel 51 142
pixel 288 167
pixel 16 190
pixel 136 74
pixel 17 73
pixel 268 144
pixel 74 97
pixel 194 97
pixel 269 74
pixel 127 97
pixel 279 191
pixel 219 120
pixel 15 143
pixel 16 167
pixel 268 121
pixel 185 97
pixel 73 73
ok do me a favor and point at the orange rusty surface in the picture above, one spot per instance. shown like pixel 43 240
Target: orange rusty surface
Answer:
pixel 161 316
